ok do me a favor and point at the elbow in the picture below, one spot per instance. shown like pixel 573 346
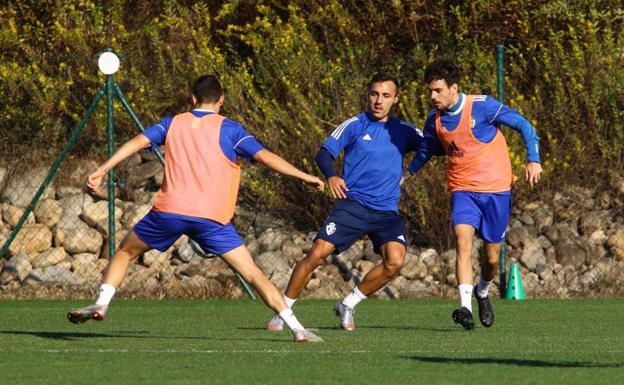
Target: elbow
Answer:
pixel 264 157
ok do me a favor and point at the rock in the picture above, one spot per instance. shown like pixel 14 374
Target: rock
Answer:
pixel 554 232
pixel 20 265
pixel 137 276
pixel 569 274
pixel 551 256
pixel 369 252
pixel 313 284
pixel 138 176
pixel 31 239
pixel 85 265
pixel 589 277
pixel 271 240
pixel 78 170
pixel 216 267
pixel 595 253
pixel 280 280
pixel 530 283
pixel 156 258
pixel 185 252
pixel 264 222
pixel 49 258
pixel 270 262
pixel 449 257
pixel 252 245
pixel 131 161
pixel 55 275
pixel 72 209
pixel 331 271
pixel 167 273
pixel 134 215
pixel 3 177
pixel 65 191
pixel 347 258
pixel 22 186
pixel 527 219
pixel 543 217
pixel 190 270
pixel 48 212
pixel 159 177
pixel 429 257
pixel 87 240
pixel 96 214
pixel 570 253
pixel 593 221
pixel 516 236
pixel 12 215
pixel 143 197
pixel 416 269
pixel 544 242
pixel 364 267
pixel 598 237
pixel 291 252
pixel 615 243
pixel 533 255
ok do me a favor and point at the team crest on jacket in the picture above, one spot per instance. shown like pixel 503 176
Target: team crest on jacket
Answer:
pixel 330 228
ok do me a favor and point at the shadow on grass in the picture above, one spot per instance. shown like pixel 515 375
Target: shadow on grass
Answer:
pixel 512 361
pixel 141 334
pixel 364 327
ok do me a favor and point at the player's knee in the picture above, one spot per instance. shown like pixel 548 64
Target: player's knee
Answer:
pixel 393 265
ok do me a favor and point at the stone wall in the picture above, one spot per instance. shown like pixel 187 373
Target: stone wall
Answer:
pixel 570 245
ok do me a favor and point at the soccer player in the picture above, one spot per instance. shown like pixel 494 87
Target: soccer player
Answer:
pixel 464 127
pixel 197 197
pixel 374 144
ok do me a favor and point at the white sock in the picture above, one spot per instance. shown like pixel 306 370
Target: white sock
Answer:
pixel 483 287
pixel 353 298
pixel 289 301
pixel 288 316
pixel 465 295
pixel 106 294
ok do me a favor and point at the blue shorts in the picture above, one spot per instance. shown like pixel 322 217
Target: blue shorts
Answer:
pixel 349 221
pixel 160 230
pixel 488 213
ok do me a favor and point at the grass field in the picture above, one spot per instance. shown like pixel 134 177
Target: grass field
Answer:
pixel 396 342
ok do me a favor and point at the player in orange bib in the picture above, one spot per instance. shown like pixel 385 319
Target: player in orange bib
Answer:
pixel 197 197
pixel 465 128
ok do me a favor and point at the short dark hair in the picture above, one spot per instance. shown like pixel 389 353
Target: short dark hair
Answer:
pixel 207 89
pixel 442 69
pixel 383 77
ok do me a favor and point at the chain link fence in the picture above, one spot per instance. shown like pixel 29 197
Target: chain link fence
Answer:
pixel 62 249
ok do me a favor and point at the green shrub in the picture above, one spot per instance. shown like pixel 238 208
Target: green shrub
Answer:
pixel 293 70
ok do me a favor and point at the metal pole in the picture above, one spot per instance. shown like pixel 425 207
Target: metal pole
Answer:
pixel 54 168
pixel 111 173
pixel 134 117
pixel 500 92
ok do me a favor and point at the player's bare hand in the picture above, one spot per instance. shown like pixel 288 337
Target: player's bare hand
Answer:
pixel 94 180
pixel 338 187
pixel 532 173
pixel 315 182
